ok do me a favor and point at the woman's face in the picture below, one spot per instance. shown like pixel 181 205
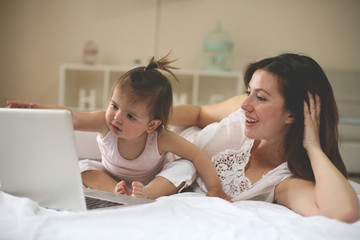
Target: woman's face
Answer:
pixel 266 117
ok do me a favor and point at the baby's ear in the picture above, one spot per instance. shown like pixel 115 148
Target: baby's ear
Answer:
pixel 153 124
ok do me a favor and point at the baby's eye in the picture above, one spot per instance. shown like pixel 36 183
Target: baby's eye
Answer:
pixel 131 117
pixel 247 93
pixel 114 106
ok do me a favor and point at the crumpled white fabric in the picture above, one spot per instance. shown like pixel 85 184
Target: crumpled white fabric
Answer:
pixel 181 216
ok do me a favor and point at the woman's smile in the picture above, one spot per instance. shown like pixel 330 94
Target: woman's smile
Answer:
pixel 250 122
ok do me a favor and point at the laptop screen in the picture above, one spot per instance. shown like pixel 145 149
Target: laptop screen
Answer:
pixel 38 157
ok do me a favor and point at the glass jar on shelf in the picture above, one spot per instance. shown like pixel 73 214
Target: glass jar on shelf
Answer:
pixel 217 54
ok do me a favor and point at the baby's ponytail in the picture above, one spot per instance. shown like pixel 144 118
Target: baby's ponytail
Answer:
pixel 162 64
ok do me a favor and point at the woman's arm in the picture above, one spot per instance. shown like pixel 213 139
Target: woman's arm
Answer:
pixel 170 142
pixel 82 121
pixel 322 198
pixel 201 116
pixel 331 194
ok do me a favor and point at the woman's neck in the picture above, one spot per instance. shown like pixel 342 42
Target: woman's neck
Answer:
pixel 271 152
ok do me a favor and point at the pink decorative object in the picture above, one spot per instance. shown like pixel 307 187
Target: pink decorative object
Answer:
pixel 90 53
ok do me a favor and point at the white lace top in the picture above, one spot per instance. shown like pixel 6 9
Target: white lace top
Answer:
pixel 230 150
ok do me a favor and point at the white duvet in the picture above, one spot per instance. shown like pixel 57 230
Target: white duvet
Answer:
pixel 181 216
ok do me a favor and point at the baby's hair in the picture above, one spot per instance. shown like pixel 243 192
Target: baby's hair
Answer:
pixel 148 83
pixel 162 64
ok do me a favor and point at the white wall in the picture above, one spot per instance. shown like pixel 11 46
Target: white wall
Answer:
pixel 38 35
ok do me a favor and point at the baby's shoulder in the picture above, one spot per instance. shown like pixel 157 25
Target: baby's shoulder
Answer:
pixel 168 140
pixel 166 135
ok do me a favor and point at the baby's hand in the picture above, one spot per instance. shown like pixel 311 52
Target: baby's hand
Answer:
pixel 19 104
pixel 218 193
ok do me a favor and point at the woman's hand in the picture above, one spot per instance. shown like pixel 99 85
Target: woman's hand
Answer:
pixel 330 188
pixel 19 104
pixel 312 122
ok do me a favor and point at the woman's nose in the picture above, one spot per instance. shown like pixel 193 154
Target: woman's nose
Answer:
pixel 247 104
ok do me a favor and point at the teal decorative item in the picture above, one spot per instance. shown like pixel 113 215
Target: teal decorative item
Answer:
pixel 217 50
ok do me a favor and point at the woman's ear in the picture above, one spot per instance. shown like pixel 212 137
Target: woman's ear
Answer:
pixel 290 119
pixel 152 125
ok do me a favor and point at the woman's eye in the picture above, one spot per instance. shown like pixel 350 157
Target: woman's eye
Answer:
pixel 261 99
pixel 258 98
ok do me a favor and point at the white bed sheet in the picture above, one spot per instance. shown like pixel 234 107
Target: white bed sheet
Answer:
pixel 181 216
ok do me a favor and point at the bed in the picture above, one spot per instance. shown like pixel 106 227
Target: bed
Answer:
pixel 181 216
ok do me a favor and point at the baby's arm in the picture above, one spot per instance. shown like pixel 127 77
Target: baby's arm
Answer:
pixel 82 121
pixel 171 142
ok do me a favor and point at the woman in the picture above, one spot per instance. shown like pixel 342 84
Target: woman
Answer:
pixel 279 144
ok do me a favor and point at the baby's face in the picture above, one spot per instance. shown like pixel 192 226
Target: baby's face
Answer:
pixel 125 118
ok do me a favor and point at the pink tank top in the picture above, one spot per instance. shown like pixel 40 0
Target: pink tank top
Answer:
pixel 142 169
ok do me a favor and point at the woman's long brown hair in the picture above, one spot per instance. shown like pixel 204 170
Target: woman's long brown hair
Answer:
pixel 298 74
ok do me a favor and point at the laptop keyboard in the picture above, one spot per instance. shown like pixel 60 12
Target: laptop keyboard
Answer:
pixel 93 203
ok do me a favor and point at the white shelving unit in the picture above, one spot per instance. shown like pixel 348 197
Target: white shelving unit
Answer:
pixel 86 87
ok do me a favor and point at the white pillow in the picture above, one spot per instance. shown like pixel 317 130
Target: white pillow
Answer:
pixel 86 145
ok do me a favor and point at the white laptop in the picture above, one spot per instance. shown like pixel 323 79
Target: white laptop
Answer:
pixel 38 160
